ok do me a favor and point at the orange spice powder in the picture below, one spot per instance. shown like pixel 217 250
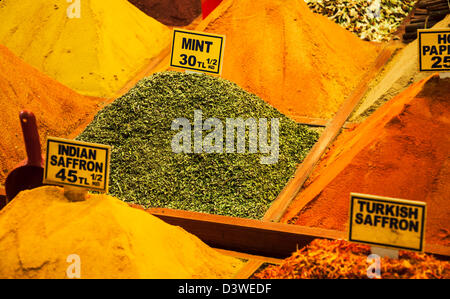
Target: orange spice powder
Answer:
pixel 58 109
pixel 299 62
pixel 401 151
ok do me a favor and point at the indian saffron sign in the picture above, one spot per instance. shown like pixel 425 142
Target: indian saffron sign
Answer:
pixel 76 163
pixel 197 51
pixel 387 222
pixel 434 49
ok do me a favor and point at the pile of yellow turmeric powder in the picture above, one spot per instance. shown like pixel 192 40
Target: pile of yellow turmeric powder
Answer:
pixel 95 47
pixel 43 235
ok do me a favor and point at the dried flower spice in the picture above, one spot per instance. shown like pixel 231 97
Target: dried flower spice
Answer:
pixel 146 171
pixel 340 259
pixel 365 18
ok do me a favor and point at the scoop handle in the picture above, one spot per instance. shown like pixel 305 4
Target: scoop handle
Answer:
pixel 31 138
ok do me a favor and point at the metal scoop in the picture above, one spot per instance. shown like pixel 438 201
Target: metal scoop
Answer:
pixel 29 173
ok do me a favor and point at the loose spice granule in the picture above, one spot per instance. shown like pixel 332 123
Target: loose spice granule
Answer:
pixel 364 18
pixel 339 259
pixel 146 171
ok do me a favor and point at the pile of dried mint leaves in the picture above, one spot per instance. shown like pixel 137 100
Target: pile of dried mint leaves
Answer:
pixel 145 170
pixel 372 20
pixel 341 259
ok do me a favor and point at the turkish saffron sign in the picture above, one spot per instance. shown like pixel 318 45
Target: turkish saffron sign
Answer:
pixel 76 163
pixel 387 222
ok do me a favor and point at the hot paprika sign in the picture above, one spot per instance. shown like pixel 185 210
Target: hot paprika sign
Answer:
pixel 387 222
pixel 434 49
pixel 78 164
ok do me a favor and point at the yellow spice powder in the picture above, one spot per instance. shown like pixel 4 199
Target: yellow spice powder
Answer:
pixel 40 229
pixel 95 54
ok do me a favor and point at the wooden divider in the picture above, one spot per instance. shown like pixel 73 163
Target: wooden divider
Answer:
pixel 274 240
pixel 246 256
pixel 320 122
pixel 287 195
pixel 267 240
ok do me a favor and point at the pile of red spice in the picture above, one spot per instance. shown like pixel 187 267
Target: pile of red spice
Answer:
pixel 400 151
pixel 208 6
pixel 339 259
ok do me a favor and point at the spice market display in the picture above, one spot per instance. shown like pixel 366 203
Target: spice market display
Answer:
pixel 187 140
